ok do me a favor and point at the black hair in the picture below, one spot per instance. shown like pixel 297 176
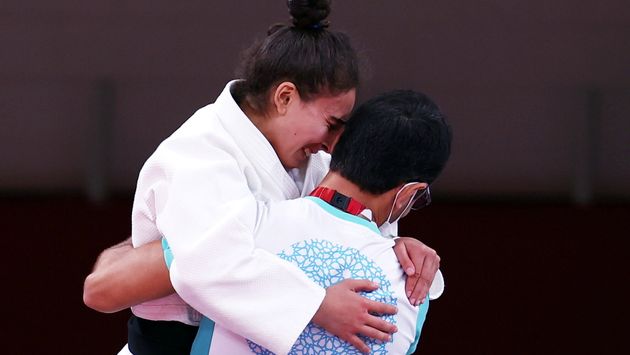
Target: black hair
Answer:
pixel 305 53
pixel 397 137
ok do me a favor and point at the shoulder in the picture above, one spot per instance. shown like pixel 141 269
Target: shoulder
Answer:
pixel 201 137
pixel 289 213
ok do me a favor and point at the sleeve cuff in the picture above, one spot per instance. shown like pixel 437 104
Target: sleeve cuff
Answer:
pixel 292 335
pixel 168 254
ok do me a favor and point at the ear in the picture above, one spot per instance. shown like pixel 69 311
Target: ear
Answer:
pixel 407 192
pixel 284 94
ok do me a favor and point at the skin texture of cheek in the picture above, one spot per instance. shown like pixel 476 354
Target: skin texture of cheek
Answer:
pixel 311 126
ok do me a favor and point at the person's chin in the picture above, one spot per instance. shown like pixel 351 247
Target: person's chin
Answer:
pixel 299 159
pixel 290 163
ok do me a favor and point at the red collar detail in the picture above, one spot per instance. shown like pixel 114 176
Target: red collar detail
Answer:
pixel 340 201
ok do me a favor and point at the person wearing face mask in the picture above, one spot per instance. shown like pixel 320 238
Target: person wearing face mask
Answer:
pixel 394 146
pixel 264 139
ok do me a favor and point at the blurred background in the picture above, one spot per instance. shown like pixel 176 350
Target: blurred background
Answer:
pixel 530 216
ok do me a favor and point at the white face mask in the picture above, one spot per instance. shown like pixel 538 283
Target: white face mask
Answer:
pixel 390 228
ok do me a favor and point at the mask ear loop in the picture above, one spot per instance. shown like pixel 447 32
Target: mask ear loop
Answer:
pixel 396 199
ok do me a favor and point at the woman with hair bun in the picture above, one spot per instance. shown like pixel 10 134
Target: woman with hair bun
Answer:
pixel 266 138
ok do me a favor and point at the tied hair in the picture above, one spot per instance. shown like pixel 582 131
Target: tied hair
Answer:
pixel 309 14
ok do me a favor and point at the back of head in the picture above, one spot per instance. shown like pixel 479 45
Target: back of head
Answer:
pixel 397 137
pixel 305 53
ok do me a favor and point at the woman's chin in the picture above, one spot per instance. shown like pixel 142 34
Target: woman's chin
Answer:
pixel 296 161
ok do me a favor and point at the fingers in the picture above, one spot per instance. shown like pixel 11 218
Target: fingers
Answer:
pixel 358 343
pixel 374 307
pixel 380 325
pixel 371 306
pixel 417 285
pixel 403 257
pixel 419 289
pixel 347 314
pixel 424 280
pixel 359 285
pixel 413 288
pixel 426 263
pixel 374 328
pixel 374 333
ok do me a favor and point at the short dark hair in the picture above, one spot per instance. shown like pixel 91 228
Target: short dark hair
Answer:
pixel 397 137
pixel 305 53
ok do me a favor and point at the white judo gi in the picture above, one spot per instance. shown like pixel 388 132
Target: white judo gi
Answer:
pixel 201 189
pixel 204 189
pixel 328 245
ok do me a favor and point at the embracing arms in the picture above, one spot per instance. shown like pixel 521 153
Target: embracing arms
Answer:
pixel 218 269
pixel 124 276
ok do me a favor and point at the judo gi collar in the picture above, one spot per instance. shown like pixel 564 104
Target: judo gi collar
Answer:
pixel 337 200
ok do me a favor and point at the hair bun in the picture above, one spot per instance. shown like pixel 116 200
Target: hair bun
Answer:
pixel 309 14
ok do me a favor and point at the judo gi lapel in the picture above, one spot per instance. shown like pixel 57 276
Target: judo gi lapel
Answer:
pixel 259 152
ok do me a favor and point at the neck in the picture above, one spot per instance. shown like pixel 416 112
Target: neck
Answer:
pixel 265 124
pixel 378 204
pixel 256 118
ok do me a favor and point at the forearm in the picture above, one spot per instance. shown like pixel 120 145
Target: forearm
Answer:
pixel 124 276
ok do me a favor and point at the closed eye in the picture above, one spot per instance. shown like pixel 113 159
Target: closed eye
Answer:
pixel 335 123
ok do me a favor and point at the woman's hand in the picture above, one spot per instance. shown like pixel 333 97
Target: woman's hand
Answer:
pixel 346 314
pixel 420 264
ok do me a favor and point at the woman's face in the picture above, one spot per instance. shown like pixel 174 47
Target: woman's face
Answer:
pixel 311 126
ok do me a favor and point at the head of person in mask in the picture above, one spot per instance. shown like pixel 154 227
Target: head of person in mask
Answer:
pixel 392 149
